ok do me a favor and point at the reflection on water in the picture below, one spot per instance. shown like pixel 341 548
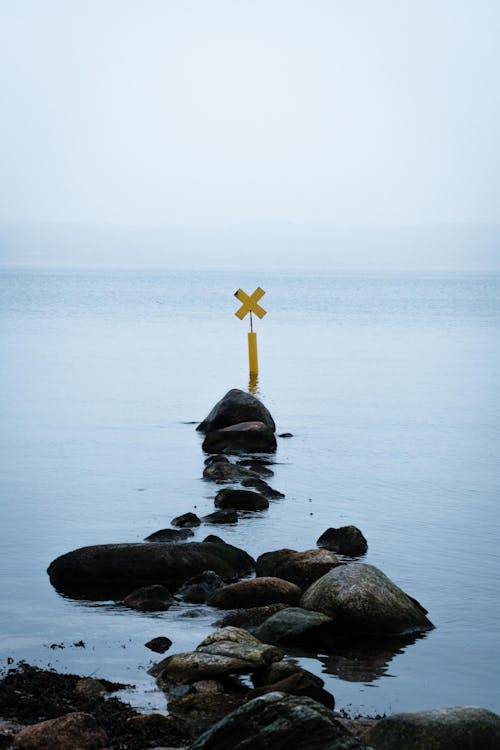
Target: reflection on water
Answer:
pixel 364 660
pixel 253 384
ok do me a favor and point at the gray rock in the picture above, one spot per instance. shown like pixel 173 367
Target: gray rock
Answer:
pixel 240 500
pixel 249 618
pixel 301 568
pixel 362 599
pixel 346 540
pixel 108 570
pixel 169 535
pixel 256 592
pixel 253 437
pixel 466 728
pixel 275 720
pixel 154 598
pixel 187 519
pixel 236 406
pixel 199 589
pixel 293 626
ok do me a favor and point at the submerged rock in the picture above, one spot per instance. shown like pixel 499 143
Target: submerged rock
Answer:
pixel 347 540
pixel 108 570
pixel 154 598
pixel 240 500
pixel 256 592
pixel 362 599
pixel 466 728
pixel 236 406
pixel 242 437
pixel 275 720
pixel 169 535
pixel 262 487
pixel 301 568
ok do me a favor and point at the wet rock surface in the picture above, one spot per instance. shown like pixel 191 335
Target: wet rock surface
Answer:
pixel 186 520
pixel 159 645
pixel 294 626
pixel 249 618
pixel 236 406
pixel 242 437
pixel 199 589
pixel 362 599
pixel 169 535
pixel 225 515
pixel 240 500
pixel 256 592
pixel 149 599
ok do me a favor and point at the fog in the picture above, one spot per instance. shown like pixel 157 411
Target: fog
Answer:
pixel 204 115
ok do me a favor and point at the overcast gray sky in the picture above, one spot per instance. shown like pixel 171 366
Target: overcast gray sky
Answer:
pixel 216 112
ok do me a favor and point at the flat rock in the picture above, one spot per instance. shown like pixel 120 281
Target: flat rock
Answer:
pixel 275 720
pixel 362 599
pixel 73 730
pixel 253 437
pixel 107 570
pixel 256 592
pixel 466 728
pixel 346 540
pixel 240 500
pixel 293 626
pixel 301 568
pixel 236 406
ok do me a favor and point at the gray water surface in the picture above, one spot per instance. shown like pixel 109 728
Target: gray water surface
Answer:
pixel 389 385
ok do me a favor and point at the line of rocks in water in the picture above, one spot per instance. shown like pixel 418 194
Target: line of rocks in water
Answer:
pixel 237 689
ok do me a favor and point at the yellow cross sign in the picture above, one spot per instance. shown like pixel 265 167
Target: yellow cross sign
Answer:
pixel 250 303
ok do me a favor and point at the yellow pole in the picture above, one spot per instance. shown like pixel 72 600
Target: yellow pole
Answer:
pixel 252 353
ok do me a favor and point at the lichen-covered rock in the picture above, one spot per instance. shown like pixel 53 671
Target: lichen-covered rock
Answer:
pixel 236 406
pixel 108 570
pixel 240 500
pixel 293 626
pixel 362 599
pixel 275 720
pixel 466 728
pixel 256 592
pixel 301 568
pixel 73 730
pixel 255 437
pixel 346 540
pixel 154 598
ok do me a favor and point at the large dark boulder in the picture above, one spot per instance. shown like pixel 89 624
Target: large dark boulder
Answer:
pixel 255 592
pixel 301 568
pixel 347 540
pixel 236 406
pixel 466 728
pixel 243 437
pixel 362 599
pixel 275 720
pixel 240 500
pixel 109 570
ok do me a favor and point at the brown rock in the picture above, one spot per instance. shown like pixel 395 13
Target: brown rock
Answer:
pixel 154 598
pixel 256 592
pixel 302 568
pixel 74 730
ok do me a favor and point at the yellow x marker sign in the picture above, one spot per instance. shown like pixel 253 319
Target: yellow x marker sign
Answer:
pixel 250 303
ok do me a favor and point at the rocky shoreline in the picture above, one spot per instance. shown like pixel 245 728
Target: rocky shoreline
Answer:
pixel 238 688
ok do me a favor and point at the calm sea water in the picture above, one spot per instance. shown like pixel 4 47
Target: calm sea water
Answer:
pixel 389 385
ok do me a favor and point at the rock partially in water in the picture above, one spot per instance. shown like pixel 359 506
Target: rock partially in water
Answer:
pixel 169 535
pixel 362 599
pixel 187 519
pixel 256 592
pixel 258 465
pixel 227 515
pixel 201 710
pixel 249 618
pixel 279 670
pixel 466 728
pixel 298 683
pixel 240 500
pixel 253 437
pixel 199 589
pixel 227 472
pixel 275 720
pixel 109 570
pixel 262 487
pixel 159 645
pixel 293 626
pixel 301 568
pixel 236 406
pixel 73 730
pixel 346 540
pixel 154 598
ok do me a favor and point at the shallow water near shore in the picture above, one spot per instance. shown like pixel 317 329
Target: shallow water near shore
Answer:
pixel 389 384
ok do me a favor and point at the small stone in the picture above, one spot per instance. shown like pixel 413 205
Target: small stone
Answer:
pixel 187 519
pixel 285 435
pixel 169 535
pixel 154 598
pixel 228 515
pixel 159 645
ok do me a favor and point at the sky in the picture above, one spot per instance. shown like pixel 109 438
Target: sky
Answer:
pixel 213 113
